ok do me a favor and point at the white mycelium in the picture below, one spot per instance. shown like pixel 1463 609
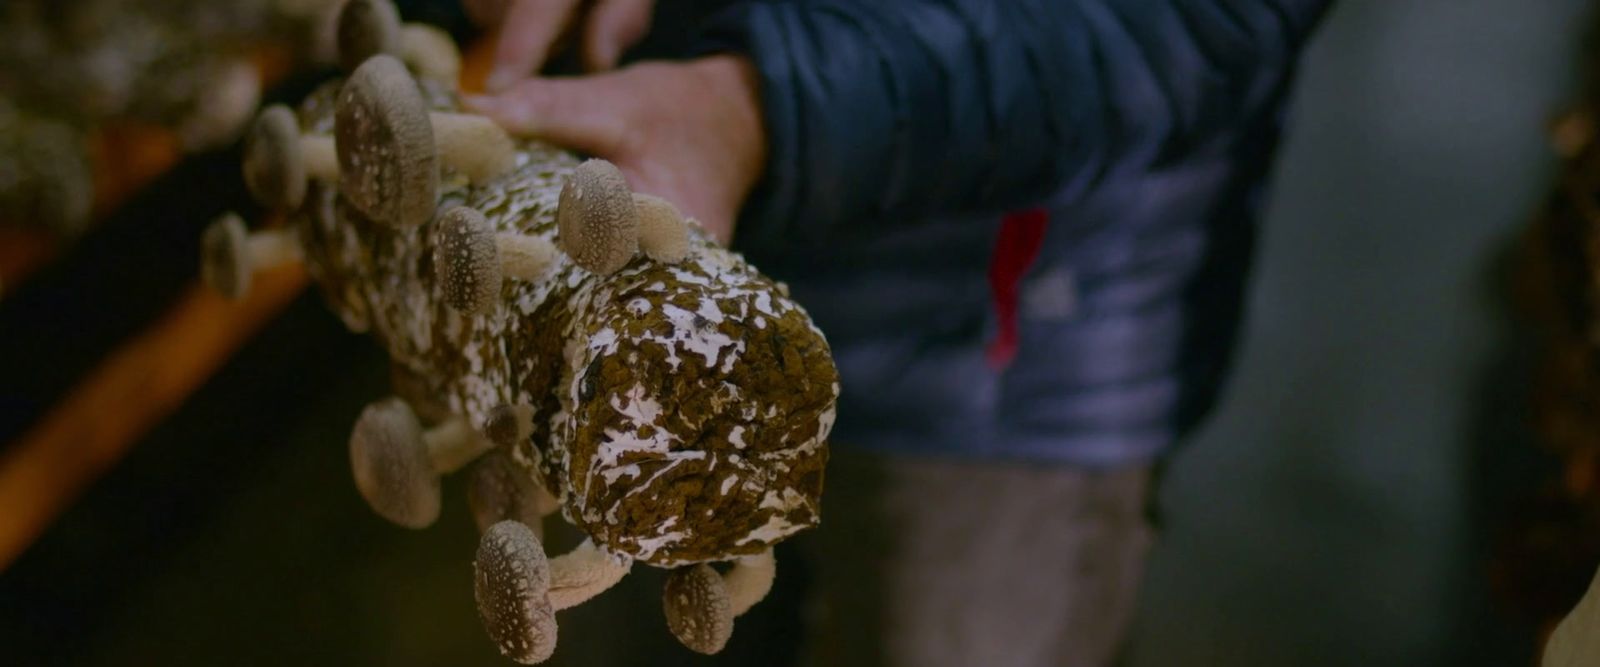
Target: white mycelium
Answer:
pixel 375 277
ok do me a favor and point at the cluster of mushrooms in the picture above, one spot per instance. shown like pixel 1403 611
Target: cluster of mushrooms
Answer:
pixel 377 210
pixel 72 67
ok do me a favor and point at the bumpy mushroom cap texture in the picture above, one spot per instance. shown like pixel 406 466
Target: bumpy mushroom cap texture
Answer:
pixel 367 28
pixel 274 168
pixel 467 259
pixel 224 265
pixel 599 227
pixel 512 584
pixel 698 609
pixel 388 164
pixel 392 466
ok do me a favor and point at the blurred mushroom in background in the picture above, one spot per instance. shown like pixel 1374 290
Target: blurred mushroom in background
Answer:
pixel 191 67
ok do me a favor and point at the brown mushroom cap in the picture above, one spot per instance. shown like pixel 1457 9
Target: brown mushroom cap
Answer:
pixel 512 583
pixel 699 611
pixel 467 260
pixel 388 164
pixel 599 226
pixel 367 28
pixel 274 168
pixel 507 424
pixel 224 261
pixel 392 466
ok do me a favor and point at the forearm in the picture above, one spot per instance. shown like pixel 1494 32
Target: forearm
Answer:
pixel 881 111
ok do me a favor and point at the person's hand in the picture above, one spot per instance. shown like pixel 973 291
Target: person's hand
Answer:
pixel 529 30
pixel 688 132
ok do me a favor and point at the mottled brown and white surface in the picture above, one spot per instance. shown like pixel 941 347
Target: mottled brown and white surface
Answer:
pixel 681 412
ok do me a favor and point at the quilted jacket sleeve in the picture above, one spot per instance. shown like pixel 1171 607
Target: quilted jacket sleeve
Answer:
pixel 885 110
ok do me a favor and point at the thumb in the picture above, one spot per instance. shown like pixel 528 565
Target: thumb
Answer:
pixel 589 115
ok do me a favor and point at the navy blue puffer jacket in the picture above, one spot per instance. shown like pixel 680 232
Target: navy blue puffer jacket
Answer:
pixel 1024 225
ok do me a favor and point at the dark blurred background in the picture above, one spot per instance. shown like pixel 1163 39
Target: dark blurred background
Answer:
pixel 1338 510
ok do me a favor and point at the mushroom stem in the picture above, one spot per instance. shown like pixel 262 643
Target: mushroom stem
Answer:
pixel 583 573
pixel 663 234
pixel 543 502
pixel 453 444
pixel 321 157
pixel 1576 639
pixel 524 257
pixel 472 144
pixel 750 580
pixel 272 247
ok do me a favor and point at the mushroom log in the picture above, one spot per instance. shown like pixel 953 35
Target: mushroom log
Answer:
pixel 675 408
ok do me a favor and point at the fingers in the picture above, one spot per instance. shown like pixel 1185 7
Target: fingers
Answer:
pixel 613 27
pixel 526 35
pixel 590 115
pixel 688 132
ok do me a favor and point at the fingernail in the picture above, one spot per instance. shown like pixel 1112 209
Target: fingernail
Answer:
pixel 478 102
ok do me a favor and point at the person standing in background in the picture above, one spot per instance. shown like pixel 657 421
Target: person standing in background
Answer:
pixel 1025 228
